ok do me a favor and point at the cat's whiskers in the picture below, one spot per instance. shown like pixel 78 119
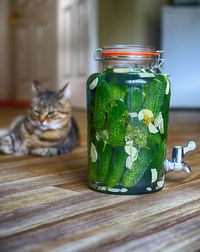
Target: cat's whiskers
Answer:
pixel 37 132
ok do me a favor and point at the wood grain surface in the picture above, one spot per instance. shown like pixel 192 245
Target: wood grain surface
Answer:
pixel 46 205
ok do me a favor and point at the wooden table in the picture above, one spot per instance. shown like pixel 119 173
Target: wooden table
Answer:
pixel 45 203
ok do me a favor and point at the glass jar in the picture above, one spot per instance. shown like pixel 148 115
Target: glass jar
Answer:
pixel 127 105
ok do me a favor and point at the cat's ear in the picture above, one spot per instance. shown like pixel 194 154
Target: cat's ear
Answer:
pixel 64 93
pixel 37 87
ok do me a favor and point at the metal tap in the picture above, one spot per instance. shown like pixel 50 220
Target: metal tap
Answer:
pixel 177 163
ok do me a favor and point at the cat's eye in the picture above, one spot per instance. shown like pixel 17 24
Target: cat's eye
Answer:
pixel 51 112
pixel 36 111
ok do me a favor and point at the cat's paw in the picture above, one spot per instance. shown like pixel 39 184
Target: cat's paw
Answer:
pixel 44 152
pixel 6 145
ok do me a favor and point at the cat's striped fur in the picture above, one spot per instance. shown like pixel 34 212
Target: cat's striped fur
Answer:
pixel 47 129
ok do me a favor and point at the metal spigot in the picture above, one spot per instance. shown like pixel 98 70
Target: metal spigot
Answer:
pixel 177 163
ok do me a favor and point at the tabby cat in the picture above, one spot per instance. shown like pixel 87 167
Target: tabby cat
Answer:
pixel 47 129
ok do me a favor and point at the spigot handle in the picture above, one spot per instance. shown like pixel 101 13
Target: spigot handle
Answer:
pixel 191 146
pixel 178 153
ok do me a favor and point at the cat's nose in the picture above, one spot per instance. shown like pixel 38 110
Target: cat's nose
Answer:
pixel 41 119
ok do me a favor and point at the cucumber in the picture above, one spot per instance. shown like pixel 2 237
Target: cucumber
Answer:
pixel 105 154
pixel 117 167
pixel 102 97
pixel 93 171
pixel 92 77
pixel 155 93
pixel 93 167
pixel 117 117
pixel 134 99
pixel 164 79
pixel 159 157
pixel 165 105
pixel 165 114
pixel 116 91
pixel 138 132
pixel 155 138
pixel 132 177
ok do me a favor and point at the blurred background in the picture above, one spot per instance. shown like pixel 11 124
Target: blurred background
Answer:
pixel 53 41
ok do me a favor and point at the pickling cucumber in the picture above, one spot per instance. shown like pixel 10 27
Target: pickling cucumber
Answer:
pixel 92 77
pixel 93 171
pixel 117 167
pixel 134 99
pixel 131 177
pixel 116 91
pixel 155 138
pixel 93 165
pixel 137 132
pixel 155 93
pixel 105 154
pixel 102 97
pixel 158 160
pixel 165 114
pixel 117 118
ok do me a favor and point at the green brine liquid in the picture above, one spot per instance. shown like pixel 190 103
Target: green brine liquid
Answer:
pixel 127 131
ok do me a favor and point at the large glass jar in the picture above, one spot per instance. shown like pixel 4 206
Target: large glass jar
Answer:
pixel 127 105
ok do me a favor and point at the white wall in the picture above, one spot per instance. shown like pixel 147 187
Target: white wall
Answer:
pixel 181 40
pixel 4 50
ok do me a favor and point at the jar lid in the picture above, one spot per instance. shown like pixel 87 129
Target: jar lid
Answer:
pixel 126 51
